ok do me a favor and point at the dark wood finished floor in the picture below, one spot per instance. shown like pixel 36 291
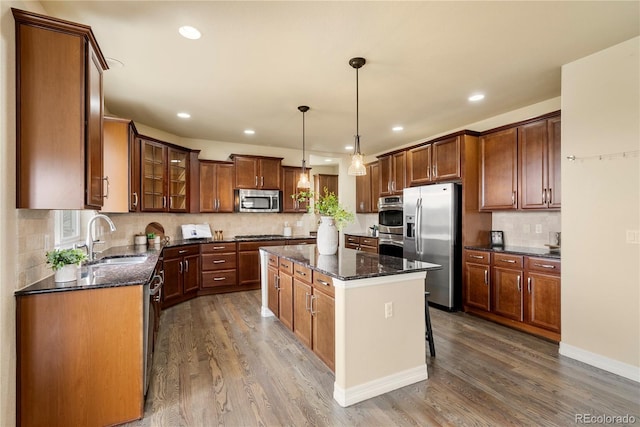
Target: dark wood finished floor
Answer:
pixel 219 363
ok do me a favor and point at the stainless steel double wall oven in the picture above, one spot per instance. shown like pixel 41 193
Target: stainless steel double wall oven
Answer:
pixel 390 218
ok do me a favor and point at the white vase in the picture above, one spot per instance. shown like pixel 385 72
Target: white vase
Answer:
pixel 327 240
pixel 67 273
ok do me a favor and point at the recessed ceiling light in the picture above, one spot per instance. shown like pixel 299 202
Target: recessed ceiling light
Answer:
pixel 249 131
pixel 328 160
pixel 183 115
pixel 189 32
pixel 348 147
pixel 477 97
pixel 397 128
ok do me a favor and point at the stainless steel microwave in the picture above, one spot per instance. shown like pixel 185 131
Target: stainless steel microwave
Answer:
pixel 257 201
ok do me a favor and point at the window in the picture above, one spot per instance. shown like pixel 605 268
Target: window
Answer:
pixel 67 227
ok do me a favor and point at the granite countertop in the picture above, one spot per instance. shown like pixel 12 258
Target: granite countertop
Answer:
pixel 362 235
pixel 518 250
pixel 252 238
pixel 349 264
pixel 95 275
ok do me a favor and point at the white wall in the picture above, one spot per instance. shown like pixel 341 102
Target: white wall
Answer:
pixel 601 199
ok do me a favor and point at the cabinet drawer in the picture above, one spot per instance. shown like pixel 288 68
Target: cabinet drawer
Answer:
pixel 212 279
pixel 370 249
pixel 351 240
pixel 323 283
pixel 504 260
pixel 301 272
pixel 286 266
pixel 218 261
pixel 349 245
pixel 369 241
pixel 180 251
pixel 543 265
pixel 301 242
pixel 218 247
pixel 272 260
pixel 477 257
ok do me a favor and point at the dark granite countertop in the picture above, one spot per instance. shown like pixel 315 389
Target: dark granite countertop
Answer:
pixel 252 238
pixel 95 275
pixel 362 235
pixel 518 250
pixel 349 264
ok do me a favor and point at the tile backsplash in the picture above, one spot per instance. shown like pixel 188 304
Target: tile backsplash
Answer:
pixel 528 229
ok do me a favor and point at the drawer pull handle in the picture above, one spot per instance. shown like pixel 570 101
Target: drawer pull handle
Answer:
pixel 218 247
pixel 284 265
pixel 476 256
pixel 510 261
pixel 545 265
pixel 301 272
pixel 183 251
pixel 218 279
pixel 322 282
pixel 219 261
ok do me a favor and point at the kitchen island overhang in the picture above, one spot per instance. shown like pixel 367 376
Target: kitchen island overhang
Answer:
pixel 379 318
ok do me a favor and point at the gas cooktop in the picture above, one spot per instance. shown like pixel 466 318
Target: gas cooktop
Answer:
pixel 258 236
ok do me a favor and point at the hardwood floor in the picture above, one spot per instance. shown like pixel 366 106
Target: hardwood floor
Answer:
pixel 218 362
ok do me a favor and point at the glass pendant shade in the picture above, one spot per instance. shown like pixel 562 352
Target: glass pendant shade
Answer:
pixel 357 167
pixel 303 182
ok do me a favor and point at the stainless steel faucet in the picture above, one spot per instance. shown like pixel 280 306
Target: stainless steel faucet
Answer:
pixel 90 235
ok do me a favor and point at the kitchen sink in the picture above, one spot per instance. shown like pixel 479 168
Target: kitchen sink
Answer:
pixel 120 260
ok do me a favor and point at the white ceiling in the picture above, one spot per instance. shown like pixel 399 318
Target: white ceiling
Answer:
pixel 258 61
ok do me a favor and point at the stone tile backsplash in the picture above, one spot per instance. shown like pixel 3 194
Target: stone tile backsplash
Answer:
pixel 521 228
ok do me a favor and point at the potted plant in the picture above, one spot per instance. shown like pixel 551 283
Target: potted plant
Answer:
pixel 333 217
pixel 65 262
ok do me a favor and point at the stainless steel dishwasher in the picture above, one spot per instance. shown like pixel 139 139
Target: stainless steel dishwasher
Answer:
pixel 151 312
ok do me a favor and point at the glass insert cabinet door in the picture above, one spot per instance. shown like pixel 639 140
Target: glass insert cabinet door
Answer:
pixel 178 166
pixel 154 177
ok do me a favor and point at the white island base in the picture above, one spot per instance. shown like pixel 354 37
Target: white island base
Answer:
pixel 376 351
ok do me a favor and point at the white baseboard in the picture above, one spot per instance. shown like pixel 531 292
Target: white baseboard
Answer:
pixel 265 312
pixel 610 365
pixel 353 395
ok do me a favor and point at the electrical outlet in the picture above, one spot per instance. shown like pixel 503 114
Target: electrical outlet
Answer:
pixel 538 228
pixel 633 236
pixel 388 310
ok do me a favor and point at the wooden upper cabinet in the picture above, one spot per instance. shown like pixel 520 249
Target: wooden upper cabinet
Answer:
pixel 324 180
pixel 368 190
pixel 498 170
pixel 119 136
pixel 289 179
pixel 178 173
pixel 154 176
pixel 374 171
pixel 445 155
pixel 216 186
pixel 554 196
pixel 257 172
pixel 59 95
pixel 392 173
pixel 419 165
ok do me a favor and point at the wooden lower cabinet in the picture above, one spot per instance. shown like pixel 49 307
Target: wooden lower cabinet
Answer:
pixel 218 267
pixel 79 357
pixel 249 262
pixel 361 243
pixel 323 327
pixel 181 274
pixel 519 291
pixel 302 293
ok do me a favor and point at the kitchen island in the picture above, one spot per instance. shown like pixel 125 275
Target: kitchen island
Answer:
pixel 377 307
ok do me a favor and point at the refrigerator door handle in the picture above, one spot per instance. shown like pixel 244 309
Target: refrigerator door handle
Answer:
pixel 418 226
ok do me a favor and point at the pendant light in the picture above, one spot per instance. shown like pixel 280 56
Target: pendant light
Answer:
pixel 303 182
pixel 357 167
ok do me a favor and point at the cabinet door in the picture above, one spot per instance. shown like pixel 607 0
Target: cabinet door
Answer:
pixel 272 291
pixel 419 165
pixel 543 301
pixel 399 175
pixel 498 170
pixel 363 193
pixel 248 267
pixel 302 311
pixel 554 193
pixel 153 177
pixel 507 293
pixel 477 286
pixel 191 273
pixel 94 152
pixel 207 187
pixel 117 133
pixel 330 182
pixel 290 177
pixel 172 287
pixel 135 175
pixel 532 165
pixel 323 341
pixel 375 186
pixel 178 179
pixel 269 174
pixel 446 159
pixel 224 187
pixel 285 301
pixel 246 172
pixel 386 175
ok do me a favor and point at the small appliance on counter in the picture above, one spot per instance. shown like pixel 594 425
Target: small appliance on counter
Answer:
pixel 287 230
pixel 554 242
pixel 196 231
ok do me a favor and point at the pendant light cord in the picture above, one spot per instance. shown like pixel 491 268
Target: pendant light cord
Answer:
pixel 357 147
pixel 303 158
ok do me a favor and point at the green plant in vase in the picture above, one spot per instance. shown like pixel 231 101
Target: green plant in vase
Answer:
pixel 326 205
pixel 59 258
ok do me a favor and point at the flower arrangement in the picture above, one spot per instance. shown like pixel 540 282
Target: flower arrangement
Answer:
pixel 326 205
pixel 58 258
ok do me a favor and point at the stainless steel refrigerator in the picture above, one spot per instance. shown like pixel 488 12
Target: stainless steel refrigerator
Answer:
pixel 431 232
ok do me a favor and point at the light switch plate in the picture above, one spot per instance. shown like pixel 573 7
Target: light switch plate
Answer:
pixel 633 236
